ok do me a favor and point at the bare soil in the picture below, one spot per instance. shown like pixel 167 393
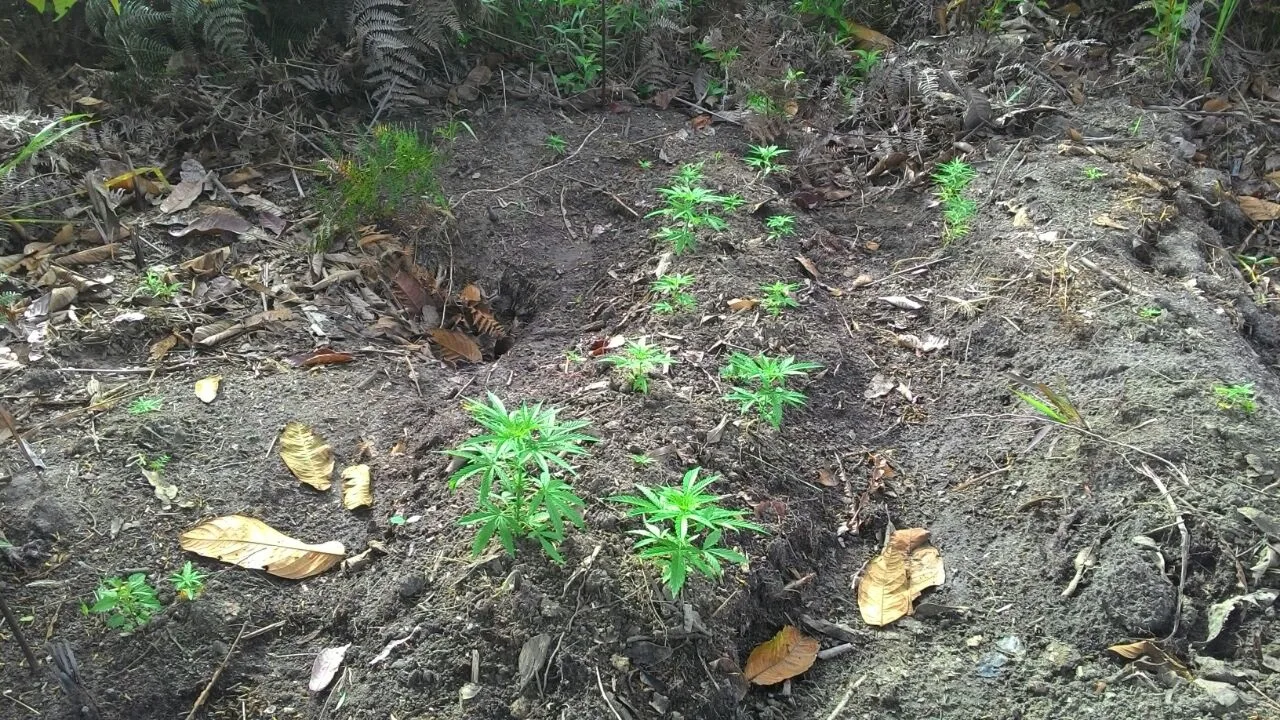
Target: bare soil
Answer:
pixel 1040 289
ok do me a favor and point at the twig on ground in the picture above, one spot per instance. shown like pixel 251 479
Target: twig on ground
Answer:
pixel 844 701
pixel 1186 542
pixel 458 203
pixel 14 627
pixel 204 694
pixel 603 694
pixel 908 271
pixel 564 215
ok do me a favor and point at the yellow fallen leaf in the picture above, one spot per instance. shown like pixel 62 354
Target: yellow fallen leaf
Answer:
pixel 742 304
pixel 925 570
pixel 782 657
pixel 357 490
pixel 884 592
pixel 207 389
pixel 253 544
pixel 309 458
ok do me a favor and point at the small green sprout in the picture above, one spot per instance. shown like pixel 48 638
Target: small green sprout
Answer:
pixel 1135 128
pixel 156 464
pixel 1150 313
pixel 556 144
pixel 154 284
pixel 396 520
pixel 864 62
pixel 1236 397
pixel 636 360
pixel 780 226
pixel 952 178
pixel 1094 173
pixel 760 384
pixel 188 582
pixel 126 604
pixel 1051 405
pixel 641 459
pixel 671 288
pixel 778 296
pixel 764 157
pixel 144 405
pixel 732 202
pixel 645 164
pixel 683 527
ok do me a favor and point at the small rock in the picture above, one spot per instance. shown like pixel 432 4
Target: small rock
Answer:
pixel 550 608
pixel 412 586
pixel 520 708
pixel 975 641
pixel 1061 658
pixel 1224 696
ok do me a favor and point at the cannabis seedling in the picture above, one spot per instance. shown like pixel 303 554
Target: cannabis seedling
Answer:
pixel 126 604
pixel 952 178
pixel 188 582
pixel 144 405
pixel 780 226
pixel 778 297
pixel 1093 173
pixel 764 157
pixel 1150 313
pixel 155 285
pixel 518 460
pixel 556 144
pixel 760 384
pixel 641 459
pixel 636 360
pixel 683 529
pixel 1236 397
pixel 674 298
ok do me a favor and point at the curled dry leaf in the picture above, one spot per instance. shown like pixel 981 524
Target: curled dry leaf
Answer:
pixel 253 544
pixel 326 666
pixel 184 193
pixel 457 345
pixel 884 592
pixel 209 263
pixel 309 458
pixel 91 256
pixel 357 488
pixel 207 388
pixel 161 347
pixel 324 355
pixel 901 302
pixel 783 657
pixel 742 304
pixel 879 387
pixel 808 266
pixel 928 344
pixel 216 220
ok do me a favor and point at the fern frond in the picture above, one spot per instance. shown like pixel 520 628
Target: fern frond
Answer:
pixel 226 30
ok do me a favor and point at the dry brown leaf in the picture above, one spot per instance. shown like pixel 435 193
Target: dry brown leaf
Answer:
pixel 742 304
pixel 240 177
pixel 1273 177
pixel 89 257
pixel 323 355
pixel 1259 210
pixel 925 570
pixel 884 592
pixel 470 294
pixel 484 322
pixel 252 544
pixel 457 345
pixel 909 539
pixel 808 266
pixel 357 490
pixel 867 38
pixel 309 457
pixel 826 478
pixel 161 347
pixel 215 220
pixel 1216 104
pixel 1108 222
pixel 207 388
pixel 184 193
pixel 783 657
pixel 209 263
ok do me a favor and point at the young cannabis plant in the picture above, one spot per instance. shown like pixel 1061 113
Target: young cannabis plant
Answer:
pixel 145 405
pixel 778 297
pixel 518 461
pixel 780 226
pixel 1236 397
pixel 952 178
pixel 1094 173
pixel 636 361
pixel 674 297
pixel 188 582
pixel 556 144
pixel 683 529
pixel 126 604
pixel 764 157
pixel 155 285
pixel 689 209
pixel 760 384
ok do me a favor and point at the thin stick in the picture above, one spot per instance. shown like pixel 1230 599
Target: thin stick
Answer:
pixel 906 272
pixel 458 203
pixel 204 694
pixel 607 701
pixel 845 700
pixel 1186 543
pixel 17 634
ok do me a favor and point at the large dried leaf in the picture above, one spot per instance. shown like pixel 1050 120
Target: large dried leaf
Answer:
pixel 357 488
pixel 309 458
pixel 209 263
pixel 253 544
pixel 91 256
pixel 783 657
pixel 323 355
pixel 925 570
pixel 1259 210
pixel 457 345
pixel 215 220
pixel 884 592
pixel 184 193
pixel 325 667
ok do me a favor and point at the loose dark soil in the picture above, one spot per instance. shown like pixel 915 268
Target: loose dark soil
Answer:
pixel 1054 296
